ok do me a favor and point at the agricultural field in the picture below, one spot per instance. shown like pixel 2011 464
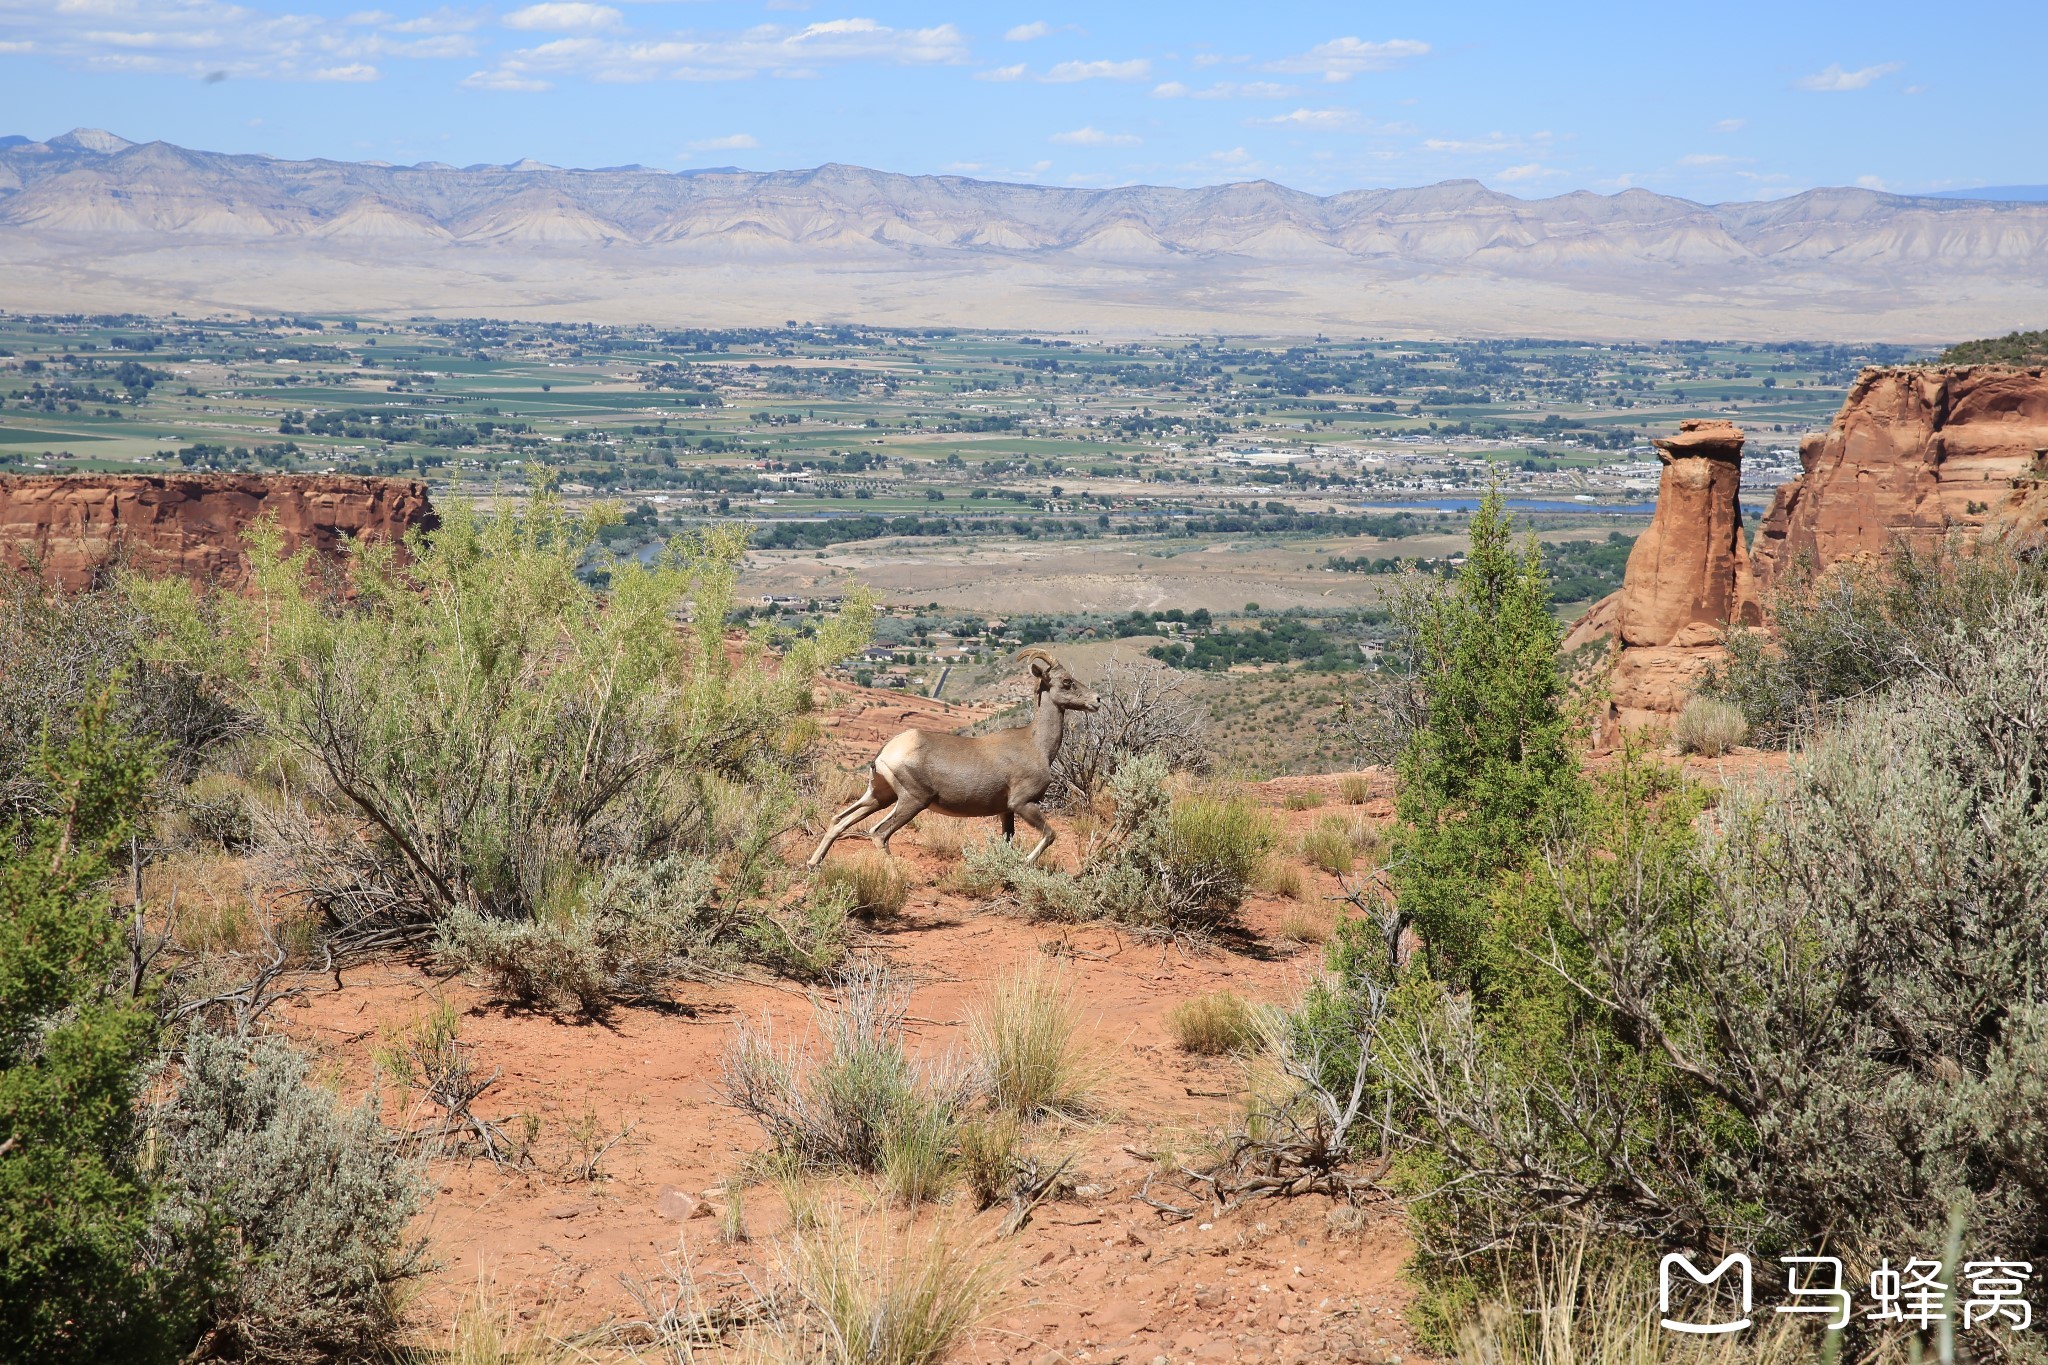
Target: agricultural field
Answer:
pixel 1236 507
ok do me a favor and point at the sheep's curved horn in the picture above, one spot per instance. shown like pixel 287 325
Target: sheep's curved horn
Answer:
pixel 1035 653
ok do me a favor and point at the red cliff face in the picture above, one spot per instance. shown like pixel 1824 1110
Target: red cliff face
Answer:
pixel 1914 452
pixel 1688 577
pixel 191 524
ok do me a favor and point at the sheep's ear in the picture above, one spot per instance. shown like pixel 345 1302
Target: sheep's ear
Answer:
pixel 1039 668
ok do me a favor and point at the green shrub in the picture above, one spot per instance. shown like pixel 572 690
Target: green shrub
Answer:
pixel 640 928
pixel 1176 866
pixel 1487 771
pixel 1838 635
pixel 1212 1025
pixel 1709 727
pixel 485 734
pixel 319 1198
pixel 842 1106
pixel 78 1278
pixel 1820 1022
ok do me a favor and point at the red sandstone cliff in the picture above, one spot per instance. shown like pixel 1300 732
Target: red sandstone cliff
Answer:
pixel 1688 577
pixel 191 524
pixel 1914 452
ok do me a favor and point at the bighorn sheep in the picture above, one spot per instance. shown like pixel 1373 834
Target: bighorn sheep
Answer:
pixel 1000 774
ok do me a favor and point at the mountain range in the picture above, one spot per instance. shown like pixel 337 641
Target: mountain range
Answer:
pixel 90 219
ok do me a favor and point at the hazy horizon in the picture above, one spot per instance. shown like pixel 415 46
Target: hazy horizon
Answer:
pixel 1747 103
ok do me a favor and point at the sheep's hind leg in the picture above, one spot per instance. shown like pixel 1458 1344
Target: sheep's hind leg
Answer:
pixel 846 820
pixel 1035 818
pixel 1009 826
pixel 908 808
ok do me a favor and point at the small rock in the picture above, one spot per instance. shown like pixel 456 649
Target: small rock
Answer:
pixel 1161 1360
pixel 573 1210
pixel 679 1204
pixel 1346 1219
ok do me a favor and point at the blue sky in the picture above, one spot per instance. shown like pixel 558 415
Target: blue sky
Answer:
pixel 1712 102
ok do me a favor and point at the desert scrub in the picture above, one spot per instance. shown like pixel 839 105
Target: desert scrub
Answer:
pixel 635 931
pixel 1303 800
pixel 1025 1033
pixel 844 1104
pixel 1212 1025
pixel 1176 865
pixel 1355 789
pixel 875 888
pixel 1709 727
pixel 318 1195
pixel 481 733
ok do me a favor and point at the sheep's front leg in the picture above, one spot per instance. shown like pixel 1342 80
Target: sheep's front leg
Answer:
pixel 1035 818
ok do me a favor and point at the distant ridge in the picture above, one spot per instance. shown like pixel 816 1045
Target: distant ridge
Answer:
pixel 91 211
pixel 2006 194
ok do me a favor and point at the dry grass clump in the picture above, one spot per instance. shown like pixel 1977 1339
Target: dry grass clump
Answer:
pixel 1303 800
pixel 990 1157
pixel 944 835
pixel 1579 1313
pixel 1280 877
pixel 915 1305
pixel 1025 1036
pixel 1212 1025
pixel 877 890
pixel 1354 789
pixel 1330 845
pixel 1709 727
pixel 1304 924
pixel 917 1156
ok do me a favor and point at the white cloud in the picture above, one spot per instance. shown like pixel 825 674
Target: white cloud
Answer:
pixel 1870 182
pixel 738 142
pixel 1002 73
pixel 1342 58
pixel 1835 78
pixel 1731 125
pixel 1024 33
pixel 1319 120
pixel 765 49
pixel 1094 137
pixel 504 80
pixel 1226 90
pixel 1137 69
pixel 564 16
pixel 1531 170
pixel 218 40
pixel 1706 159
pixel 1488 145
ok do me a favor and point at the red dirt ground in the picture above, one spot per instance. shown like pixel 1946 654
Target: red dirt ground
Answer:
pixel 1096 1277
